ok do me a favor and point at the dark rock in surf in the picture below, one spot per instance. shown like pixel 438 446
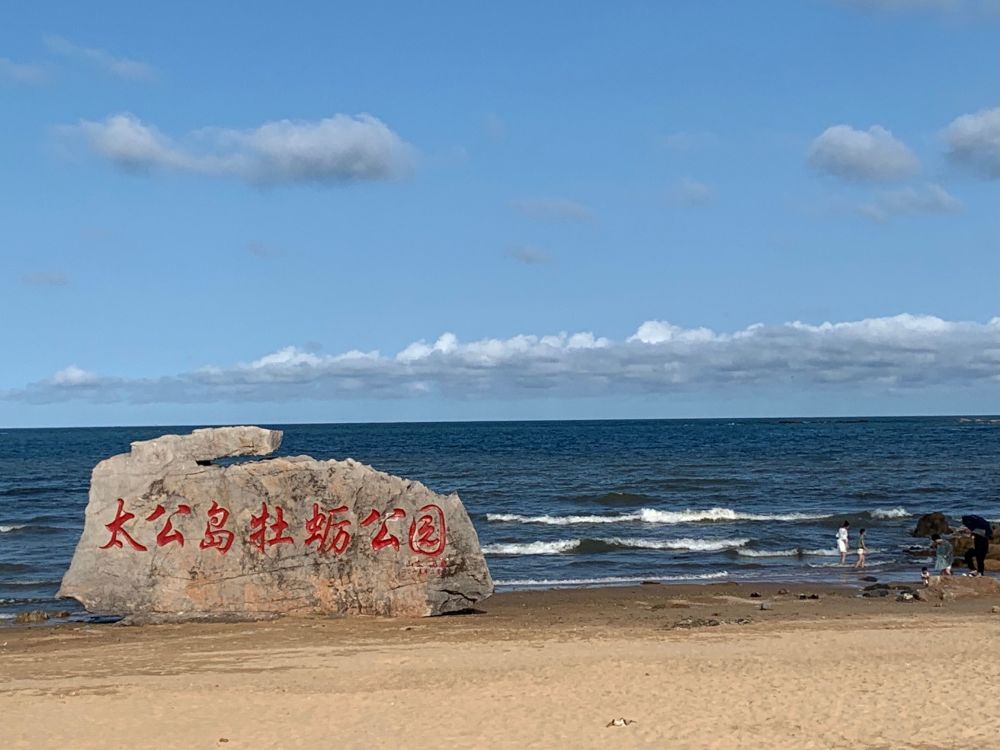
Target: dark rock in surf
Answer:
pixel 932 523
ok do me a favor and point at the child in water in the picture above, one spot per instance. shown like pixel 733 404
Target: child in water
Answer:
pixel 862 550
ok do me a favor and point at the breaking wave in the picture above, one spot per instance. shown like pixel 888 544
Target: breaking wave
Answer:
pixel 651 515
pixel 532 548
pixel 796 552
pixel 589 546
pixel 11 527
pixel 887 513
pixel 610 580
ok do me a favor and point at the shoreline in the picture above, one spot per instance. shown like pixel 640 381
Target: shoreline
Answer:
pixel 64 616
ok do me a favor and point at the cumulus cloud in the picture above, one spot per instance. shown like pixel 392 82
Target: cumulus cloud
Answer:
pixel 120 67
pixel 927 200
pixel 15 72
pixel 341 148
pixel 974 141
pixel 72 377
pixel 864 155
pixel 892 353
pixel 553 209
pixel 690 192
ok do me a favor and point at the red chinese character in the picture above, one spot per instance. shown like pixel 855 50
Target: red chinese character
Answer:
pixel 427 531
pixel 168 534
pixel 383 538
pixel 117 526
pixel 258 526
pixel 216 534
pixel 320 526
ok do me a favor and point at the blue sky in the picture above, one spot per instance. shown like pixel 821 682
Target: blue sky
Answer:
pixel 214 212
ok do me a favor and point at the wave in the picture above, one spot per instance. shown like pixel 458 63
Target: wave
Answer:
pixel 883 514
pixel 651 515
pixel 559 520
pixel 610 580
pixel 29 584
pixel 617 498
pixel 532 548
pixel 870 495
pixel 27 528
pixel 14 567
pixel 590 546
pixel 796 552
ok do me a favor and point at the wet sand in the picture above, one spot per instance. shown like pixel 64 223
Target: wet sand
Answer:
pixel 690 667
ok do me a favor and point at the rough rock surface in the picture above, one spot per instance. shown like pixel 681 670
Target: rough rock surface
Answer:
pixel 932 523
pixel 953 587
pixel 171 536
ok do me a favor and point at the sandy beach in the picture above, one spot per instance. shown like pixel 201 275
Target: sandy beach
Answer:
pixel 688 666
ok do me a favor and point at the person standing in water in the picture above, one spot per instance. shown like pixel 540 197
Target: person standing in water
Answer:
pixel 862 550
pixel 842 542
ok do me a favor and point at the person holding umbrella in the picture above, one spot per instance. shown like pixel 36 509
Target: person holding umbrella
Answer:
pixel 982 532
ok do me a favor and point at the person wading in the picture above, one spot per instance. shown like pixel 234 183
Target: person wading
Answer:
pixel 842 542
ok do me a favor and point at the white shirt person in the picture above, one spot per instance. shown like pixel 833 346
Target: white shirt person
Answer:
pixel 842 542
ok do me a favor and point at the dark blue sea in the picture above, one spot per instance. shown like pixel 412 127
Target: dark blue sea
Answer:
pixel 586 503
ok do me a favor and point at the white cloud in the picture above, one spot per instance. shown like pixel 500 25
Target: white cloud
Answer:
pixel 974 141
pixel 910 352
pixel 73 376
pixel 120 67
pixel 868 155
pixel 911 201
pixel 336 149
pixel 553 209
pixel 690 192
pixel 21 72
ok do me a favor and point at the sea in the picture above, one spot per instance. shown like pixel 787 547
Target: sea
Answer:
pixel 587 503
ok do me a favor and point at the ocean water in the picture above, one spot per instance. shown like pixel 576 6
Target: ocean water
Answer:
pixel 586 503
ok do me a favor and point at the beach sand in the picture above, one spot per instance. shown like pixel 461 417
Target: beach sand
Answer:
pixel 537 669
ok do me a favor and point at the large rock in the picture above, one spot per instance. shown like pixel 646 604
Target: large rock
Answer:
pixel 169 535
pixel 932 523
pixel 959 586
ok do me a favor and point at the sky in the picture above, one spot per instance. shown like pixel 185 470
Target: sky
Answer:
pixel 321 212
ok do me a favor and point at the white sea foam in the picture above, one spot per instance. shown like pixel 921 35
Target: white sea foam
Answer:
pixel 5 616
pixel 797 552
pixel 568 545
pixel 694 545
pixel 609 580
pixel 768 552
pixel 532 548
pixel 12 527
pixel 651 515
pixel 886 513
pixel 560 520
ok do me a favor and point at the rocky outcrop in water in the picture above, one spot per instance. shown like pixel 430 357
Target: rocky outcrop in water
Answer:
pixel 932 523
pixel 169 535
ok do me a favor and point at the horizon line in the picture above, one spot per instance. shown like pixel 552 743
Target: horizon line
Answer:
pixel 802 418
